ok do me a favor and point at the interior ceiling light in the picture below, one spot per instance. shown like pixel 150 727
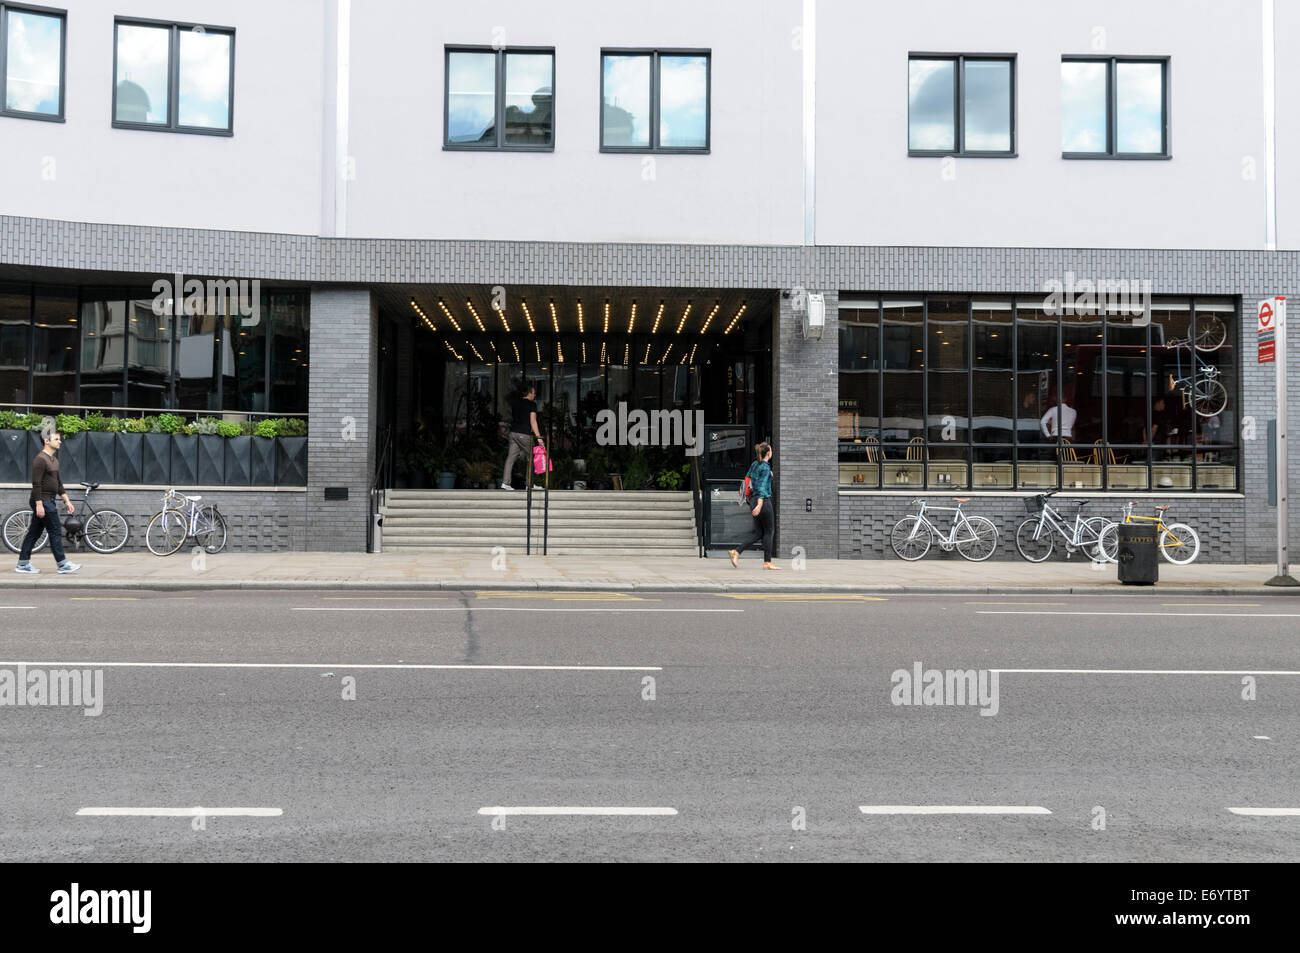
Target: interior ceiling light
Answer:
pixel 627 351
pixel 474 349
pixel 606 331
pixel 539 351
pixel 581 329
pixel 664 359
pixel 479 321
pixel 646 359
pixel 682 323
pixel 716 306
pixel 449 315
pixel 518 359
pixel 449 347
pixel 734 320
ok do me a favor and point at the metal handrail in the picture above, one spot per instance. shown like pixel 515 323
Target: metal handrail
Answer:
pixel 697 481
pixel 383 464
pixel 144 411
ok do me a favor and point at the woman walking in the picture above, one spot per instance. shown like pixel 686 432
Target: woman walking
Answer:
pixel 760 481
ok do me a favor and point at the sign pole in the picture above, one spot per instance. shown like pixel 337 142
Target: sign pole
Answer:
pixel 1278 357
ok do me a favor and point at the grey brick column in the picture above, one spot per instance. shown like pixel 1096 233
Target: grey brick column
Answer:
pixel 341 401
pixel 806 388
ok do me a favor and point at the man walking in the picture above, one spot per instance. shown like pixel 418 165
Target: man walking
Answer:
pixel 523 428
pixel 46 485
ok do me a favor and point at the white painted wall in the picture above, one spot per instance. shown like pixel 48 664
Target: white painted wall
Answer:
pixel 870 192
pixel 748 190
pixel 1287 32
pixel 264 178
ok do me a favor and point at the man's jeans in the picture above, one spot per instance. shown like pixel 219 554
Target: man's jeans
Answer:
pixel 49 523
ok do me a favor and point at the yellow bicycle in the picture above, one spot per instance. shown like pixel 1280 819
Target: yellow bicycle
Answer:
pixel 1177 542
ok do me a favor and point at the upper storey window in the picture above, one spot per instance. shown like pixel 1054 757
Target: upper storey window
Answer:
pixel 31 62
pixel 177 77
pixel 1114 107
pixel 499 99
pixel 654 100
pixel 961 105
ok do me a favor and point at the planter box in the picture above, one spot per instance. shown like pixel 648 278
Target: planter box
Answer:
pixel 155 458
pixel 291 461
pixel 185 460
pixel 239 461
pixel 211 457
pixel 128 458
pixel 262 461
pixel 71 457
pixel 15 461
pixel 98 460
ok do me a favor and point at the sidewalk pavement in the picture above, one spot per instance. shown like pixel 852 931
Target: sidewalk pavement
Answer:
pixel 353 571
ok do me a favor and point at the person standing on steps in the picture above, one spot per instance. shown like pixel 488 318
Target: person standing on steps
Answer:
pixel 523 429
pixel 764 513
pixel 46 485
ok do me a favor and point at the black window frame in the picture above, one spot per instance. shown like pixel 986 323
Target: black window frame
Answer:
pixel 499 107
pixel 1112 138
pixel 5 8
pixel 173 78
pixel 959 107
pixel 656 53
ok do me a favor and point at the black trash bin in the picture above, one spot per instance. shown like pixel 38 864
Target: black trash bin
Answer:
pixel 1137 554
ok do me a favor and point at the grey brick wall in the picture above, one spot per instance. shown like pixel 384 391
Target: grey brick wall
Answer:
pixel 341 402
pixel 257 521
pixel 806 389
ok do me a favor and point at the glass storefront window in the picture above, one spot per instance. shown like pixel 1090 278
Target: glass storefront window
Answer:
pixel 54 376
pixel 15 340
pixel 103 347
pixel 903 369
pixel 149 355
pixel 948 370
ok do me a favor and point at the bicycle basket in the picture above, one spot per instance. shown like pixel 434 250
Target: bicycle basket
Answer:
pixel 1034 503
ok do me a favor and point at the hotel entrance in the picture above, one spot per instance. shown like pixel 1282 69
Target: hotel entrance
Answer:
pixel 454 357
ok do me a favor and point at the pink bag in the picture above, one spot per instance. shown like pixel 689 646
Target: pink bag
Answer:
pixel 541 463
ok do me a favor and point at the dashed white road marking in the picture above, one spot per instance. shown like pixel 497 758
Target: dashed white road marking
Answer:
pixel 579 811
pixel 1162 615
pixel 180 812
pixel 348 665
pixel 1139 671
pixel 484 609
pixel 951 809
pixel 1266 811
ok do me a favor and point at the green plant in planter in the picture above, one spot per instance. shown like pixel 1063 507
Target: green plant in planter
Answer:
pixel 98 423
pixel 170 423
pixel 135 425
pixel 69 424
pixel 11 421
pixel 204 426
pixel 265 428
pixel 636 474
pixel 669 480
pixel 229 429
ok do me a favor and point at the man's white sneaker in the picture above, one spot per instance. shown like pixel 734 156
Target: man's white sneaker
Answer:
pixel 26 567
pixel 506 486
pixel 68 567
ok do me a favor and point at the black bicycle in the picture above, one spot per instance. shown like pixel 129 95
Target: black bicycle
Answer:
pixel 104 531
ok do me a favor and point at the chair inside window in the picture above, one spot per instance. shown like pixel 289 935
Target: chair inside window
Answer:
pixel 1066 452
pixel 872 446
pixel 916 449
pixel 1106 456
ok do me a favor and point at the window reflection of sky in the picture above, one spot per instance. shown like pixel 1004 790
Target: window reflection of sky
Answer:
pixel 205 80
pixel 1083 107
pixel 930 86
pixel 988 106
pixel 1139 98
pixel 627 100
pixel 142 69
pixel 32 68
pixel 683 95
pixel 471 96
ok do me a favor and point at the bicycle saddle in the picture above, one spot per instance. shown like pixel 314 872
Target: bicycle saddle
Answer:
pixel 1081 502
pixel 961 499
pixel 90 486
pixel 193 499
pixel 1165 507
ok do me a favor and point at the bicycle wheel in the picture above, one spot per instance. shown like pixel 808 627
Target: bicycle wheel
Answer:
pixel 984 541
pixel 1092 535
pixel 1179 543
pixel 1032 545
pixel 211 530
pixel 1210 333
pixel 1209 398
pixel 106 531
pixel 166 532
pixel 1110 543
pixel 910 538
pixel 16 530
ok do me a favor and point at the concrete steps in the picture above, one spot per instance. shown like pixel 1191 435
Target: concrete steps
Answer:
pixel 582 522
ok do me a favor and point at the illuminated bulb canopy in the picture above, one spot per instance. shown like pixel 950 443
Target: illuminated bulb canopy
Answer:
pixel 581 329
pixel 452 349
pixel 734 320
pixel 716 306
pixel 518 359
pixel 450 318
pixel 423 317
pixel 658 316
pixel 682 323
pixel 527 314
pixel 555 319
pixel 631 321
pixel 474 349
pixel 606 331
pixel 479 321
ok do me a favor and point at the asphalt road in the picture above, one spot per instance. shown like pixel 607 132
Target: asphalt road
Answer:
pixel 770 727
